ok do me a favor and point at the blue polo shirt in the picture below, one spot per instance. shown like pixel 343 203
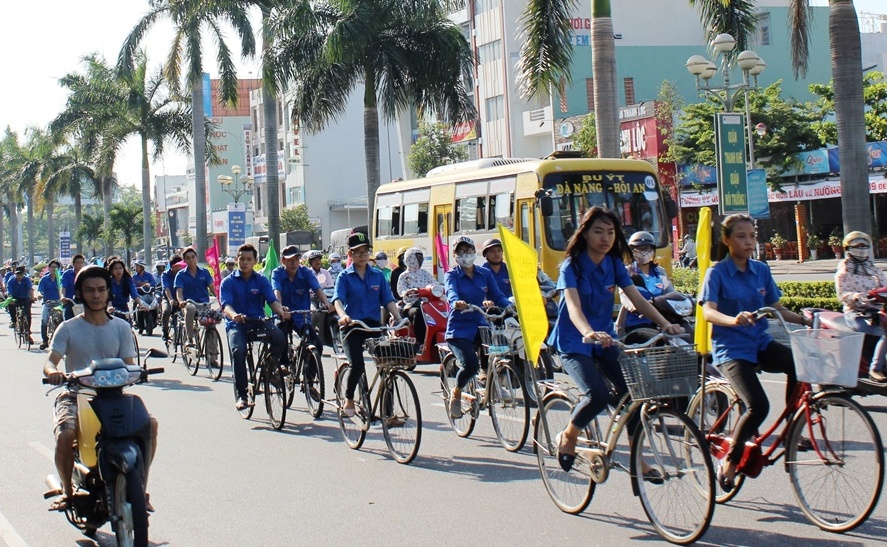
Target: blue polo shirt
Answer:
pixel 596 285
pixel 49 287
pixel 144 277
pixel 246 296
pixel 474 290
pixel 68 279
pixel 194 287
pixel 7 277
pixel 121 292
pixel 295 294
pixel 655 284
pixel 501 278
pixel 363 298
pixel 19 289
pixel 734 291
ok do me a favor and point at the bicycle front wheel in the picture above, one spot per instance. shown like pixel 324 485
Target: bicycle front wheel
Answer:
pixel 508 407
pixel 401 417
pixel 313 382
pixel 570 491
pixel 247 412
pixel 672 473
pixel 275 393
pixel 838 482
pixel 135 343
pixel 352 432
pixel 464 425
pixel 212 351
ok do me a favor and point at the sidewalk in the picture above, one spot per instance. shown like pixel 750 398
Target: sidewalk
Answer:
pixel 825 266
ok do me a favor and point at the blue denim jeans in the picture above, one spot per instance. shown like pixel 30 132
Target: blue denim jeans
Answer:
pixel 588 374
pixel 237 343
pixel 44 319
pixel 465 352
pixel 879 358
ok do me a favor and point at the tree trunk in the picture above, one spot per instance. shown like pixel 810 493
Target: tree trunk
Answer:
pixel 846 57
pixel 146 201
pixel 603 53
pixel 370 144
pixel 107 191
pixel 50 230
pixel 30 200
pixel 198 124
pixel 78 217
pixel 13 226
pixel 272 178
pixel 2 236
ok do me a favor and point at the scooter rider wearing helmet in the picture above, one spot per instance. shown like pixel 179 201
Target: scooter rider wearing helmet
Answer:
pixel 407 286
pixel 493 253
pixel 92 335
pixel 314 259
pixel 650 278
pixel 855 277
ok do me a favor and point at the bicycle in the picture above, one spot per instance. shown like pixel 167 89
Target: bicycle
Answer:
pixel 175 340
pixel 839 482
pixel 264 375
pixel 502 393
pixel 23 323
pixel 128 316
pixel 396 403
pixel 678 499
pixel 305 365
pixel 56 317
pixel 207 344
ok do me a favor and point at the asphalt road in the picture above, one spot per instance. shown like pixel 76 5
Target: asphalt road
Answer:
pixel 220 480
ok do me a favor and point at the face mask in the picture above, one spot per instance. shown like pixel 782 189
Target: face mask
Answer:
pixel 466 260
pixel 381 264
pixel 858 254
pixel 335 266
pixel 643 257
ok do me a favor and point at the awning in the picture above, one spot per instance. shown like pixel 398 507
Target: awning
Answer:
pixel 790 192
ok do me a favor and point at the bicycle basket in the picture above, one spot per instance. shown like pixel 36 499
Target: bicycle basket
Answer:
pixel 493 340
pixel 827 356
pixel 393 352
pixel 208 317
pixel 660 372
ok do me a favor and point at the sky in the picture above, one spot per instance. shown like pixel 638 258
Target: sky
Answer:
pixel 42 46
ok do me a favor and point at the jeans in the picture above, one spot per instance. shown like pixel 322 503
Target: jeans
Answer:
pixel 237 345
pixel 44 319
pixel 879 358
pixel 590 375
pixel 465 351
pixel 744 379
pixel 354 352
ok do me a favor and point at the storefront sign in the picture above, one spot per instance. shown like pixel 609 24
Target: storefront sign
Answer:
pixel 758 202
pixel 236 227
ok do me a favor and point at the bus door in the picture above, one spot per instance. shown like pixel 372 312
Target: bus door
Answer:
pixel 526 221
pixel 443 227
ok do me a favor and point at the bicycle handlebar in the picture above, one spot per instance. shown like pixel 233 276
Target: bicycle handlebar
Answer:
pixel 642 345
pixel 358 325
pixel 197 304
pixel 487 315
pixel 767 311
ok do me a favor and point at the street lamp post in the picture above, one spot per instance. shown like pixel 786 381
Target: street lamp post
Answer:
pixel 234 186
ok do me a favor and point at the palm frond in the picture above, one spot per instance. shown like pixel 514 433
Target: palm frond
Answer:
pixel 546 52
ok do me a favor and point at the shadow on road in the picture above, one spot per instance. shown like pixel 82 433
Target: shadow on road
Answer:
pixel 482 469
pixel 174 385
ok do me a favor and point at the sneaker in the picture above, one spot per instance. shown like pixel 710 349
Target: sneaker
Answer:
pixel 43 345
pixel 395 421
pixel 241 403
pixel 455 408
pixel 348 409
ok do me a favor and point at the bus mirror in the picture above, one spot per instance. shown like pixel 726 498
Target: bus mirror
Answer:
pixel 671 208
pixel 546 206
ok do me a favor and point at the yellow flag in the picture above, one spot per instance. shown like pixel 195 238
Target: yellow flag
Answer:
pixel 522 267
pixel 703 261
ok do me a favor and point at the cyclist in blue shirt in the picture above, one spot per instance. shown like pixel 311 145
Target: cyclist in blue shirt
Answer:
pixel 20 288
pixel 243 295
pixel 192 283
pixel 68 278
pixel 733 290
pixel 588 279
pixel 142 278
pixel 48 287
pixel 466 285
pixel 293 284
pixel 493 253
pixel 361 292
pixel 6 279
pixel 122 289
pixel 167 282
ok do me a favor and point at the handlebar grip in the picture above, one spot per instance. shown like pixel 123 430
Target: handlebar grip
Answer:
pixel 158 370
pixel 45 381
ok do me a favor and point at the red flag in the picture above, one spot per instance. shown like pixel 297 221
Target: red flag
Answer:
pixel 212 260
pixel 441 252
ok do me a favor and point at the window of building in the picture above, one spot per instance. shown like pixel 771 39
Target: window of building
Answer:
pixel 764 29
pixel 415 219
pixel 470 214
pixel 489 52
pixel 589 94
pixel 629 90
pixel 495 108
pixel 481 6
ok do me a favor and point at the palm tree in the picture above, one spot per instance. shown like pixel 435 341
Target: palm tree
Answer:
pixel 191 18
pixel 124 221
pixel 90 230
pixel 406 55
pixel 36 154
pixel 70 176
pixel 846 60
pixel 546 58
pixel 10 164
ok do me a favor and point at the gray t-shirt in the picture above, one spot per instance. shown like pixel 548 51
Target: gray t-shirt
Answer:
pixel 80 342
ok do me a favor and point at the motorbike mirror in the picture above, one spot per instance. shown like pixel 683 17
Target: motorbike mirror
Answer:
pixel 546 205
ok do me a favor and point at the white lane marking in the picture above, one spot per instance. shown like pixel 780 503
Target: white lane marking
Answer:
pixel 50 454
pixel 9 535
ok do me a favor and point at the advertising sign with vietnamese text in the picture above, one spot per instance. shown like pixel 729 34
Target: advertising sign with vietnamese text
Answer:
pixel 730 144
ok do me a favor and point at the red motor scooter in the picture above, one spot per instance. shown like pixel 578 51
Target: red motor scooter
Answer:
pixel 435 310
pixel 828 319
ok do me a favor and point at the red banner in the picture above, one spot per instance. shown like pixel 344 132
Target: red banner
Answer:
pixel 212 260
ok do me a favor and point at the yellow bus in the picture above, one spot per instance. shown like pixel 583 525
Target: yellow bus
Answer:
pixel 540 200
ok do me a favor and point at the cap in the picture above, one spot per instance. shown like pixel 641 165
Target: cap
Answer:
pixel 462 240
pixel 358 239
pixel 290 251
pixel 381 255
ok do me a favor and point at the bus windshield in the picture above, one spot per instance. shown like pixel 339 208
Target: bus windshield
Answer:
pixel 633 195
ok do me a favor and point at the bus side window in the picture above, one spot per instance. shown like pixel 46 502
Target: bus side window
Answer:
pixel 525 222
pixel 383 222
pixel 395 221
pixel 502 211
pixel 415 219
pixel 469 214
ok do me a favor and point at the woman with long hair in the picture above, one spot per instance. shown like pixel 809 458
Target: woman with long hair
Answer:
pixel 122 289
pixel 594 267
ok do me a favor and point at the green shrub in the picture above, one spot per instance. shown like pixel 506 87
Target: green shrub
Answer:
pixel 798 303
pixel 795 294
pixel 686 280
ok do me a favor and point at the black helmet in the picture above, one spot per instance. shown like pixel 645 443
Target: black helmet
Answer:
pixel 641 239
pixel 88 272
pixel 489 244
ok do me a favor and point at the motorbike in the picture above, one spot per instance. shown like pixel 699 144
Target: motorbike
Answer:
pixel 109 457
pixel 877 315
pixel 435 310
pixel 676 307
pixel 147 319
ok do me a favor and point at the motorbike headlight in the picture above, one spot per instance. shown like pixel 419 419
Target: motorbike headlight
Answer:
pixel 117 377
pixel 437 291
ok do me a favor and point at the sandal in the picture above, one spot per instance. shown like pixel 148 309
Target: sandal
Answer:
pixel 395 421
pixel 653 476
pixel 348 409
pixel 60 503
pixel 148 506
pixel 727 484
pixel 455 407
pixel 566 461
